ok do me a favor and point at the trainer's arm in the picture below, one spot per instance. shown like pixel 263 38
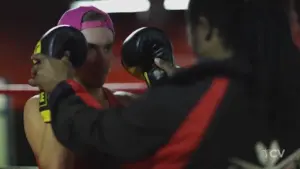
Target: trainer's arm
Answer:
pixel 130 133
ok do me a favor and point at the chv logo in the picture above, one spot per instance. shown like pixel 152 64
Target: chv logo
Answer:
pixel 273 153
pixel 269 155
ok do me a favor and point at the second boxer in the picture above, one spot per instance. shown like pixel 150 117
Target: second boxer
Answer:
pixel 98 30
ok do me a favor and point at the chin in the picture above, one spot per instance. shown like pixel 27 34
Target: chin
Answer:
pixel 97 84
pixel 96 80
pixel 93 83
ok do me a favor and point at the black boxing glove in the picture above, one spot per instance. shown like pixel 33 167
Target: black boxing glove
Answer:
pixel 140 49
pixel 55 43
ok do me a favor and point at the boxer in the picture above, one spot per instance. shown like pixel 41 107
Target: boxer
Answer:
pixel 97 28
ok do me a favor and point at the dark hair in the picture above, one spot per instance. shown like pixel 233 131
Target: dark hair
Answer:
pixel 94 16
pixel 264 31
pixel 226 15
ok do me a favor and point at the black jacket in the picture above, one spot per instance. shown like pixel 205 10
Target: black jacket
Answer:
pixel 203 117
pixel 214 115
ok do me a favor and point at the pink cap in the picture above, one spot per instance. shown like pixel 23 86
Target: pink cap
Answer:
pixel 74 17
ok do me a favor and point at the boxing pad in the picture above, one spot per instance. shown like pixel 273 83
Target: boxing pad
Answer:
pixel 140 49
pixel 61 39
pixel 55 43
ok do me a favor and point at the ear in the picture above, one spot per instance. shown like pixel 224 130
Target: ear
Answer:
pixel 206 27
pixel 204 22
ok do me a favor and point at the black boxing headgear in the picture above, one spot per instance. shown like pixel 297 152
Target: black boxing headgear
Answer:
pixel 58 40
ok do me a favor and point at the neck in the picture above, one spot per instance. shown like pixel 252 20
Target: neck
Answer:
pixel 219 53
pixel 95 92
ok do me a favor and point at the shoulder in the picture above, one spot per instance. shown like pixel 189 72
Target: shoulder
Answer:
pixel 32 117
pixel 31 104
pixel 33 101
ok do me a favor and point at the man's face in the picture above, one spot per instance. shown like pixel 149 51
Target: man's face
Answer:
pixel 97 65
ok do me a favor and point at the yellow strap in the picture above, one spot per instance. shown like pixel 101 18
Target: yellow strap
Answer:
pixel 37 50
pixel 135 72
pixel 44 109
pixel 43 100
pixel 147 78
pixel 46 115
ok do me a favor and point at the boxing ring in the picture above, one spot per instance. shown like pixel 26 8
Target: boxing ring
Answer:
pixel 9 89
pixel 12 95
pixel 19 167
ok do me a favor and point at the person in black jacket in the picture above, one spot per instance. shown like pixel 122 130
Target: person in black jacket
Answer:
pixel 237 108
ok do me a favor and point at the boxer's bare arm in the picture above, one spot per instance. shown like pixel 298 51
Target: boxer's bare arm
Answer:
pixel 50 154
pixel 125 98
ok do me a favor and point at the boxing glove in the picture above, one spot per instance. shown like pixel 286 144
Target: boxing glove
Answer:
pixel 55 43
pixel 140 49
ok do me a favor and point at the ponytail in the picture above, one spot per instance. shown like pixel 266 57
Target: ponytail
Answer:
pixel 276 67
